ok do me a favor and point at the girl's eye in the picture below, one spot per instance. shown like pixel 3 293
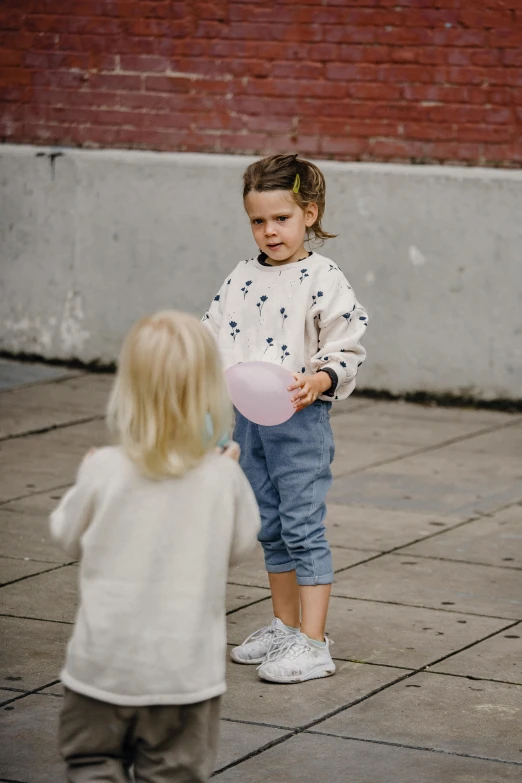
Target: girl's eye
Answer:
pixel 257 221
pixel 282 218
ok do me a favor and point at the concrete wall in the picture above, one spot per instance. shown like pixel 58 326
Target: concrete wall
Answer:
pixel 92 240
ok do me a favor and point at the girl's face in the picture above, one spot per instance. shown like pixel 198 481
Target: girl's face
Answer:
pixel 279 224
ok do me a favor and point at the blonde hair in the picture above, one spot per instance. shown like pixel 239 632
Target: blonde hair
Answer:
pixel 169 378
pixel 279 172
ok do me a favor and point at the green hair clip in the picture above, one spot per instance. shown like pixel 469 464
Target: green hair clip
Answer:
pixel 297 183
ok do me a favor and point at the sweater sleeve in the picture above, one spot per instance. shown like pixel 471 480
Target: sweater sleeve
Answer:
pixel 247 520
pixel 214 315
pixel 341 322
pixel 71 518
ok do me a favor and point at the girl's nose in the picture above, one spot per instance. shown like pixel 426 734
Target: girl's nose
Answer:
pixel 269 229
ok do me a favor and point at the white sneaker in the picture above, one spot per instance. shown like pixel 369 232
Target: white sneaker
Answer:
pixel 256 647
pixel 297 660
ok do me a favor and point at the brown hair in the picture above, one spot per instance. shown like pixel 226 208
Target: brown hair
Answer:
pixel 278 172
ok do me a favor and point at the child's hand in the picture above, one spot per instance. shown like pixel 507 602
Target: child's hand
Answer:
pixel 311 386
pixel 232 450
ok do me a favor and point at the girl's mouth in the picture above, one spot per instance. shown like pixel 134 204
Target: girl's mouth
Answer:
pixel 276 246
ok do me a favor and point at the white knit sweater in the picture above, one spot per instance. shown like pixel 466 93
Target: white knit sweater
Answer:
pixel 150 627
pixel 302 315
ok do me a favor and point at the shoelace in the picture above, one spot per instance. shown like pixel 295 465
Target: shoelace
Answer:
pixel 294 647
pixel 276 633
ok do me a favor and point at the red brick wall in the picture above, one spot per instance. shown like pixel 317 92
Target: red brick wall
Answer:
pixel 407 80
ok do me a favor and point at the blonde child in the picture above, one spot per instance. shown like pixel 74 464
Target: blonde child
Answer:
pixel 155 521
pixel 295 308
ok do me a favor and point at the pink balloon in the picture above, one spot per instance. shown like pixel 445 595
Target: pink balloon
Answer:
pixel 259 390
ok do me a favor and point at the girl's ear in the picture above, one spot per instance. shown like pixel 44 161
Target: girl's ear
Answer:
pixel 311 212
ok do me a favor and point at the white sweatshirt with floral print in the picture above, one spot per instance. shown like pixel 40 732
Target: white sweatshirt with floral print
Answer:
pixel 303 316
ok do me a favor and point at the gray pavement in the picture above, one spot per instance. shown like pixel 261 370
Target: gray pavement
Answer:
pixel 426 615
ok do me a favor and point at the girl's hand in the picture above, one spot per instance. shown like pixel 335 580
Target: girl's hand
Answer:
pixel 232 450
pixel 311 386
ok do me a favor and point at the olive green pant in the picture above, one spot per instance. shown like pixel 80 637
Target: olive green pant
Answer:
pixel 106 743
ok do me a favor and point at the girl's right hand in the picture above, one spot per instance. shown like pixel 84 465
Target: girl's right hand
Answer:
pixel 232 450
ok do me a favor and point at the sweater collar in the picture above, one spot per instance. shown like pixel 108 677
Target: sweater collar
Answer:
pixel 260 263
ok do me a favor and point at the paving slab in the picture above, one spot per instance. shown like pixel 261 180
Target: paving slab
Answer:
pixel 12 569
pixel 49 460
pixel 382 633
pixel 498 658
pixel 404 579
pixel 29 728
pixel 410 426
pixel 32 652
pixel 241 595
pixel 308 758
pixel 496 540
pixel 28 731
pixel 24 529
pixel 14 374
pixel 364 527
pixel 253 572
pixel 356 454
pixel 249 698
pixel 240 739
pixel 474 418
pixel 428 484
pixel 439 712
pixel 49 596
pixel 53 404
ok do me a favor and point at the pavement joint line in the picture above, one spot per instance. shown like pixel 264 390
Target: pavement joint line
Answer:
pixel 73 375
pixel 454 560
pixel 379 601
pixel 352 660
pixel 472 678
pixel 38 573
pixel 12 780
pixel 252 603
pixel 428 608
pixel 28 559
pixel 433 447
pixel 470 645
pixel 29 693
pixel 38 619
pixel 257 723
pixel 255 753
pixel 51 428
pixel 455 526
pixel 416 747
pixel 45 491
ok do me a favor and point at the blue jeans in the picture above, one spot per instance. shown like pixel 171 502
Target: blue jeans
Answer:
pixel 288 467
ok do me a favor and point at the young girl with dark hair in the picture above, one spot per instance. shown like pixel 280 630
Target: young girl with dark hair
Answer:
pixel 293 307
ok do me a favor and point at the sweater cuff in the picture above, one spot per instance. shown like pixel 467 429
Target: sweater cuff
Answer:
pixel 333 377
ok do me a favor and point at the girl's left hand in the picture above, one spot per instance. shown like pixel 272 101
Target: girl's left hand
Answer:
pixel 311 386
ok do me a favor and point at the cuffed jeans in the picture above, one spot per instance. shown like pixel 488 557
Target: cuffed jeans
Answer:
pixel 288 467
